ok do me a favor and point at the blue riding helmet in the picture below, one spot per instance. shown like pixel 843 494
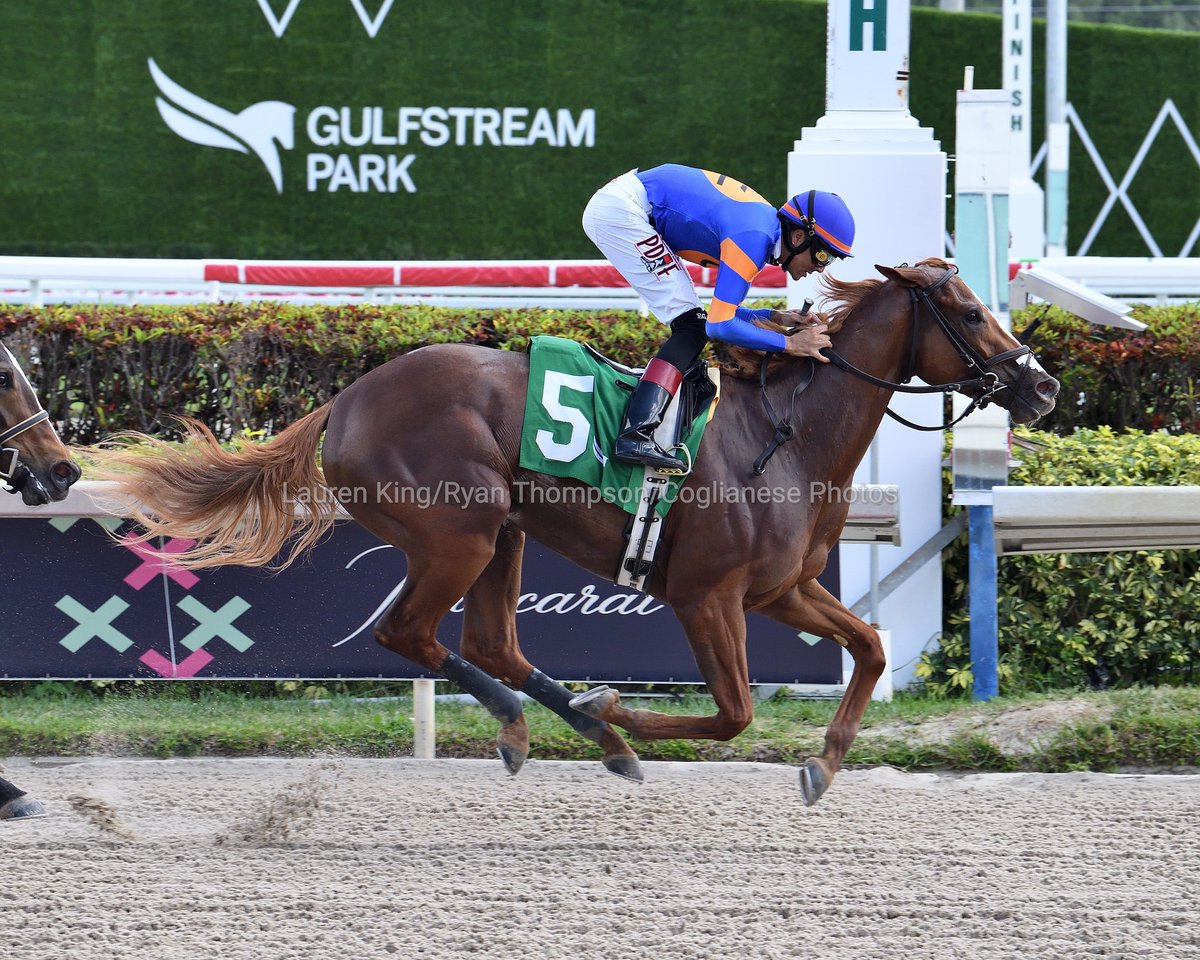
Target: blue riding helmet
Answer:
pixel 826 221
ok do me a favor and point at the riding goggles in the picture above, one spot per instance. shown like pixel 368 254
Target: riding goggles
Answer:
pixel 822 255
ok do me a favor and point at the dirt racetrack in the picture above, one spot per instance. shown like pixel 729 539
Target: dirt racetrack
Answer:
pixel 328 859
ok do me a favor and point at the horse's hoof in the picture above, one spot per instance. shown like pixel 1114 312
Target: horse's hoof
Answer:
pixel 625 766
pixel 22 808
pixel 512 758
pixel 814 781
pixel 595 702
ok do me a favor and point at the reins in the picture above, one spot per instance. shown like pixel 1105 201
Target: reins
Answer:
pixel 988 381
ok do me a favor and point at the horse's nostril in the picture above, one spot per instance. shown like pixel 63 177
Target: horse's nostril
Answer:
pixel 66 471
pixel 1048 387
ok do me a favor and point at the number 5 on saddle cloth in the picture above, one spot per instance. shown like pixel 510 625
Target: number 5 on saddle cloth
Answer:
pixel 573 411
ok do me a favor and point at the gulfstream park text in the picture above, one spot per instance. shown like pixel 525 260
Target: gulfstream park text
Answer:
pixel 462 496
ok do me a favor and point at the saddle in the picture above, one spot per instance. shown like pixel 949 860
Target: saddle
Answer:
pixel 696 394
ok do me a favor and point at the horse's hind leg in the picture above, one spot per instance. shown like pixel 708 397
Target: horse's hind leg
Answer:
pixel 812 608
pixel 489 640
pixel 16 804
pixel 437 578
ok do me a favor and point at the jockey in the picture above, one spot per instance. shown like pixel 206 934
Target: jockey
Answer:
pixel 645 221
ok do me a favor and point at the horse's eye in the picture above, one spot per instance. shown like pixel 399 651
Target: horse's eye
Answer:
pixel 974 317
pixel 5 380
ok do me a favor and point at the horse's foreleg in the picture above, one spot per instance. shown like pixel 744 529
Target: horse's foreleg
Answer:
pixel 717 634
pixel 489 640
pixel 812 608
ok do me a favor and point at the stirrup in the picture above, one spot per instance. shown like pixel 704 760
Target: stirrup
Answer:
pixel 647 455
pixel 681 452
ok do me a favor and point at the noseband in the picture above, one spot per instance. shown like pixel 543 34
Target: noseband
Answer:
pixel 986 379
pixel 10 456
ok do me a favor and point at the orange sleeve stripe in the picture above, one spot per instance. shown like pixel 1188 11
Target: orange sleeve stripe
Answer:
pixel 719 311
pixel 738 261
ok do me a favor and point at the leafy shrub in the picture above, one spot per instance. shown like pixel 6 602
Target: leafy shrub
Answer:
pixel 1067 620
pixel 256 367
pixel 1122 378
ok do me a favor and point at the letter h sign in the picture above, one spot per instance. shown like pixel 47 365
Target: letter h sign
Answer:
pixel 876 16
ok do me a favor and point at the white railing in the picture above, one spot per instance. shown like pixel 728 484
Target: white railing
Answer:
pixel 1131 278
pixel 562 283
pixel 1095 519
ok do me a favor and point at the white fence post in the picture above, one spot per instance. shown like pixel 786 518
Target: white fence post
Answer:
pixel 424 720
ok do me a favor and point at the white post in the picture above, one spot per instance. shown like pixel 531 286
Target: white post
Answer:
pixel 1027 205
pixel 424 723
pixel 892 174
pixel 1058 133
pixel 980 455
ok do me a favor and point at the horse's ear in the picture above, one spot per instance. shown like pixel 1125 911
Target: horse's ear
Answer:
pixel 901 276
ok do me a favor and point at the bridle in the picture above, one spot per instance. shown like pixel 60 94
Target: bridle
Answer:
pixel 986 379
pixel 10 456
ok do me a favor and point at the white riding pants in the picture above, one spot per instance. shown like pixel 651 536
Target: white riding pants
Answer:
pixel 617 219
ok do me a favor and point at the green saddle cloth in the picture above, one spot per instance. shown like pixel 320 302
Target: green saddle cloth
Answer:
pixel 573 412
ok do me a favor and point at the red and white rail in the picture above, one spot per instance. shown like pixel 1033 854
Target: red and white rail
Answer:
pixel 563 283
pixel 40 280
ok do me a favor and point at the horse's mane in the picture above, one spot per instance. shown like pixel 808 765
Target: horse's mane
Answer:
pixel 839 299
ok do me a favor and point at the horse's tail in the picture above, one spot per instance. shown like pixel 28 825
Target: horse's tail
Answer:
pixel 240 507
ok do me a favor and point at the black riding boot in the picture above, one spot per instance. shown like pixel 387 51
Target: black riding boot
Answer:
pixel 635 443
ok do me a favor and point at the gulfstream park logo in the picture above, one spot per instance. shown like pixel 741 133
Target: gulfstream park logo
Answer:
pixel 261 129
pixel 264 129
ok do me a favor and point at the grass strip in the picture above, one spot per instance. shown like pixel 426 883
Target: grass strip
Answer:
pixel 1141 728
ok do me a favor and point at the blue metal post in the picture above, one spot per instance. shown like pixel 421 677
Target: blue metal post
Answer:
pixel 985 650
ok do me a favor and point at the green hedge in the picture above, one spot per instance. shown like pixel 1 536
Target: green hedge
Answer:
pixel 252 368
pixel 1072 619
pixel 90 168
pixel 1119 378
pixel 260 366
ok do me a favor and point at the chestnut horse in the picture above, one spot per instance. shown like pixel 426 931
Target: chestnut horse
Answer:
pixel 34 463
pixel 450 417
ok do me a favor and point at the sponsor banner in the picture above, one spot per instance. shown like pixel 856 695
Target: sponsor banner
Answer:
pixel 365 130
pixel 92 608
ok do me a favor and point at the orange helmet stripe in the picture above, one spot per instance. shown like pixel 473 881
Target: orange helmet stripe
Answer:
pixel 830 239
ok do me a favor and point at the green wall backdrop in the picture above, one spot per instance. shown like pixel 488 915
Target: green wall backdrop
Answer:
pixel 88 165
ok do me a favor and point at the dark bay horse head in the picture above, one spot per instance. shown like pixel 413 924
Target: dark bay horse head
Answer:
pixel 33 461
pixel 956 338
